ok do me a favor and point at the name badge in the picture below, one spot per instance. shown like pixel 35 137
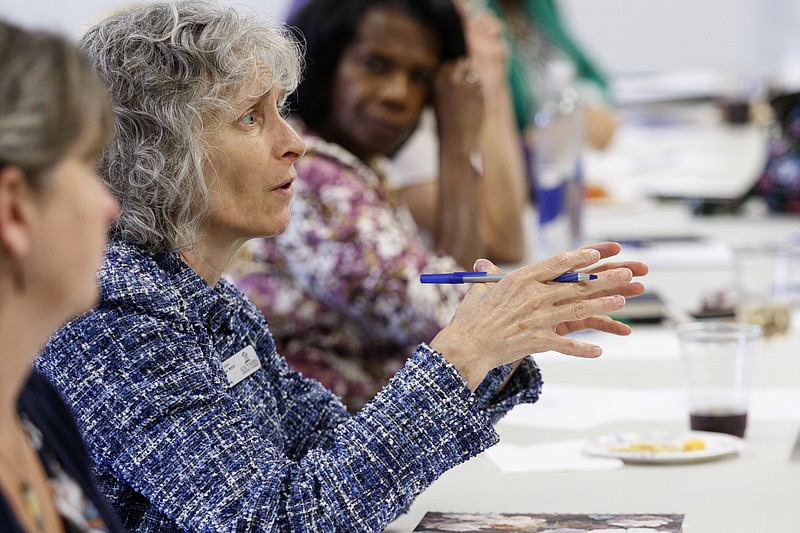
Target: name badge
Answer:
pixel 242 364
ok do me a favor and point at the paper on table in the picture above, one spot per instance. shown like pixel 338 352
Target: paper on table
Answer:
pixel 577 408
pixel 559 456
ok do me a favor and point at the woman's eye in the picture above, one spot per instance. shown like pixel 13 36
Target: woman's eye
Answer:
pixel 249 119
pixel 375 65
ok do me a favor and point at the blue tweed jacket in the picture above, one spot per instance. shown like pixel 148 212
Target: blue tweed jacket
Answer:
pixel 175 447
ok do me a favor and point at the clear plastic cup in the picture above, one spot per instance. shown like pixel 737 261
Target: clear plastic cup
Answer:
pixel 767 286
pixel 719 358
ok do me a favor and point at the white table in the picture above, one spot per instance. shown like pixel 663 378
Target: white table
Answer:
pixel 750 493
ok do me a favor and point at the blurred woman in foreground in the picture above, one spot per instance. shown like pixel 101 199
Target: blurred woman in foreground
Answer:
pixel 55 119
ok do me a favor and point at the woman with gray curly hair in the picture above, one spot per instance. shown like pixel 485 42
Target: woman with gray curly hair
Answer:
pixel 194 421
pixel 165 96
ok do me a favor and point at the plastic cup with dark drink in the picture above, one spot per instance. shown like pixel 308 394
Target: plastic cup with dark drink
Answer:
pixel 719 359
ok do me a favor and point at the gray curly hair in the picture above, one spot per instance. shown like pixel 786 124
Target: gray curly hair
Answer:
pixel 170 67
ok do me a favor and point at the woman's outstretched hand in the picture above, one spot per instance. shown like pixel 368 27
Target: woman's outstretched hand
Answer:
pixel 632 289
pixel 525 313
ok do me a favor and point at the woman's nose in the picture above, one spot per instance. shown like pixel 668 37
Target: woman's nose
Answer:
pixel 294 146
pixel 396 87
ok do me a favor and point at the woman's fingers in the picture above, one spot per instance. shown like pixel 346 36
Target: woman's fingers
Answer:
pixel 638 268
pixel 598 322
pixel 479 290
pixel 527 313
pixel 574 347
pixel 581 259
pixel 553 267
pixel 617 281
pixel 583 309
pixel 632 290
pixel 484 265
pixel 606 249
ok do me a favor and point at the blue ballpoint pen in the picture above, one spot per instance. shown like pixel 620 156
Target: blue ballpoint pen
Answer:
pixel 453 278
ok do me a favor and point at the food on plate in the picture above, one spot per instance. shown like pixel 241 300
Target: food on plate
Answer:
pixel 688 445
pixel 694 445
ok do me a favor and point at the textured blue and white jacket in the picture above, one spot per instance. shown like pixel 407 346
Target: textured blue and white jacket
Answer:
pixel 175 447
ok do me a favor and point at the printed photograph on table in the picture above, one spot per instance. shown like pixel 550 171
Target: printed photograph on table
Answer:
pixel 549 523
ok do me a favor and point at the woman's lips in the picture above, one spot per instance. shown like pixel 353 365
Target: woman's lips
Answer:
pixel 285 185
pixel 388 130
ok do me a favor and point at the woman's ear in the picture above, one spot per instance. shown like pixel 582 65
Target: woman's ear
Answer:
pixel 15 212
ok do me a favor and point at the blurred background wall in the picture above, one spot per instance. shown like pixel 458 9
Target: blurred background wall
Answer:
pixel 741 37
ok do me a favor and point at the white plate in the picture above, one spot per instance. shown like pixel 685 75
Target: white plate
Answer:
pixel 716 445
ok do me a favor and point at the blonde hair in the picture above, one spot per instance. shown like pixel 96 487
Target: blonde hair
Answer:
pixel 49 97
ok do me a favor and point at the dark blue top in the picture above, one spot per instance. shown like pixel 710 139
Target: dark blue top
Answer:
pixel 177 447
pixel 64 456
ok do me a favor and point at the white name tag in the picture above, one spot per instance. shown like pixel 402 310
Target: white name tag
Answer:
pixel 242 364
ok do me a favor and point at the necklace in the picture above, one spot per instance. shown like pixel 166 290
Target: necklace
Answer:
pixel 30 500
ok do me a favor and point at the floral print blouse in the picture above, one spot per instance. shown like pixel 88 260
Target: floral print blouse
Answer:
pixel 779 183
pixel 340 288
